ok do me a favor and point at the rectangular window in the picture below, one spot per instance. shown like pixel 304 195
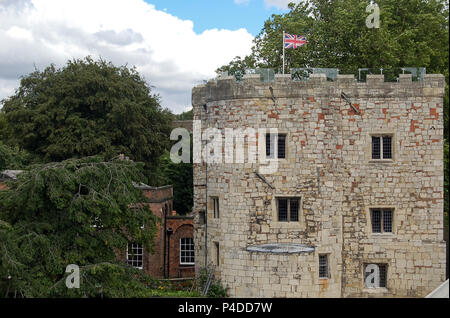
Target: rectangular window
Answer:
pixel 215 201
pixel 187 251
pixel 270 146
pixel 135 255
pixel 217 253
pixel 381 220
pixel 376 148
pixel 281 146
pixel 323 266
pixel 381 147
pixel 378 271
pixel 202 217
pixel 293 208
pixel 387 147
pixel 288 209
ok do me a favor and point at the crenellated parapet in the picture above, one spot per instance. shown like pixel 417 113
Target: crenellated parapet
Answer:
pixel 251 86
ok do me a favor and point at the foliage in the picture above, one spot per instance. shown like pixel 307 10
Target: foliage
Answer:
pixel 238 65
pixel 87 108
pixel 180 176
pixel 106 280
pixel 12 157
pixel 167 288
pixel 338 37
pixel 216 290
pixel 189 115
pixel 79 211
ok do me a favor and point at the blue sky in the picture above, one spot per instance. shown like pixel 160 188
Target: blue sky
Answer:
pixel 221 14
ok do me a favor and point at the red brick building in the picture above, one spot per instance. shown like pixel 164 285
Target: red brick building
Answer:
pixel 173 255
pixel 174 243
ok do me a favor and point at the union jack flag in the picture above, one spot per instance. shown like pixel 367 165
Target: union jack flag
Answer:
pixel 292 41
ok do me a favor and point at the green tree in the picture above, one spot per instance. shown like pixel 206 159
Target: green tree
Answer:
pixel 185 116
pixel 411 33
pixel 180 176
pixel 12 157
pixel 87 108
pixel 79 211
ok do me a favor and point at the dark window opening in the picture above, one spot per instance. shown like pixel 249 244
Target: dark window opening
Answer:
pixel 376 153
pixel 288 209
pixel 270 146
pixel 217 253
pixel 387 147
pixel 202 217
pixel 323 266
pixel 381 220
pixel 281 146
pixel 216 207
pixel 381 147
pixel 382 272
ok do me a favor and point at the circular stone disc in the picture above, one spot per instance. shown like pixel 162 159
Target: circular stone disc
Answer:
pixel 279 248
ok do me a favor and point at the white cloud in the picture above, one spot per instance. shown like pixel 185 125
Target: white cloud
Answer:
pixel 164 48
pixel 280 4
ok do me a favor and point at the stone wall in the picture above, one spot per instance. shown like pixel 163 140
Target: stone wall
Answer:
pixel 329 167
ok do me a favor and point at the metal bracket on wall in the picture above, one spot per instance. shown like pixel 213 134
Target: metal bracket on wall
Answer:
pixel 273 99
pixel 347 99
pixel 264 179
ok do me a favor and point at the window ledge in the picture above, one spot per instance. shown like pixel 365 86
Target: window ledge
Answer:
pixel 286 225
pixel 275 159
pixel 386 161
pixel 379 290
pixel 382 235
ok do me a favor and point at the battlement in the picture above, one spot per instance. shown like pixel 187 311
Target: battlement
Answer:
pixel 283 86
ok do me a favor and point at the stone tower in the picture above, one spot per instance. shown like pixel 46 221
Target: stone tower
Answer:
pixel 359 184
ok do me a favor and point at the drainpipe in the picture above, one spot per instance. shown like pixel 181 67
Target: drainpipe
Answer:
pixel 206 193
pixel 164 233
pixel 169 232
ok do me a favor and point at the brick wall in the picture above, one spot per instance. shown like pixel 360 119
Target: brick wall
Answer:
pixel 161 200
pixel 182 227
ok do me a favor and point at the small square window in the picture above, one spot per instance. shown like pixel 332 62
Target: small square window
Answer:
pixel 323 266
pixel 288 209
pixel 376 272
pixel 381 220
pixel 382 147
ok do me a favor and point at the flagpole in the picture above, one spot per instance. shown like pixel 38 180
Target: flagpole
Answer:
pixel 283 51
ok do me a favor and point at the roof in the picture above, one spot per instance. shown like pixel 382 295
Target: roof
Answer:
pixel 9 174
pixel 143 186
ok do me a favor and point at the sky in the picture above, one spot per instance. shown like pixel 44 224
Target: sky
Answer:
pixel 174 44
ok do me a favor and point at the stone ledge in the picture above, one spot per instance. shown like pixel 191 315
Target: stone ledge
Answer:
pixel 281 248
